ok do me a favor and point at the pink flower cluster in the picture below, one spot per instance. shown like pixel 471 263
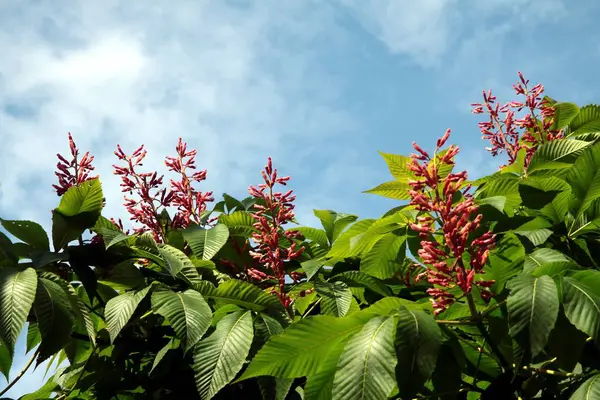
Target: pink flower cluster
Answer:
pixel 270 217
pixel 510 134
pixel 152 196
pixel 74 172
pixel 454 220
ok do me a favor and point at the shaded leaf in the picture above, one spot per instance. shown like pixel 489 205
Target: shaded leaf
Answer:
pixel 29 232
pixel 120 309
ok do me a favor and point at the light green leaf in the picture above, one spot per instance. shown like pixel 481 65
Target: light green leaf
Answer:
pixel 365 280
pixel 175 259
pixel 240 293
pixel 366 367
pixel 384 259
pixel 34 337
pixel 334 222
pixel 584 178
pixel 187 312
pixel 239 223
pixel 205 243
pixel 311 267
pixel 396 190
pixel 318 236
pixel 219 357
pixel 301 348
pixel 84 198
pixel 336 298
pixel 320 385
pixel 29 232
pixel 347 244
pixel 582 306
pixel 418 341
pixel 587 121
pixel 17 293
pixel 120 309
pixel 55 317
pixel 397 165
pixel 560 153
pixel 589 390
pixel 564 113
pixel 532 310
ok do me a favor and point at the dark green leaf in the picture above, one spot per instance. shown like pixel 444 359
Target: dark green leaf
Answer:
pixel 120 309
pixel 29 232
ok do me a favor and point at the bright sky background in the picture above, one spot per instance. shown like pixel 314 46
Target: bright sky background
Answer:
pixel 319 85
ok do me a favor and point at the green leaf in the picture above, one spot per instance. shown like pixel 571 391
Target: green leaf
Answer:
pixel 418 341
pixel 347 244
pixel 120 309
pixel 532 309
pixel 87 197
pixel 318 236
pixel 582 306
pixel 365 280
pixel 589 390
pixel 55 317
pixel 219 357
pixel 336 298
pixel 17 293
pixel 366 367
pixel 565 344
pixel 124 276
pixel 334 222
pixel 584 178
pixel 205 243
pixel 187 312
pixel 560 153
pixel 238 223
pixel 161 354
pixel 311 267
pixel 301 348
pixel 34 337
pixel 320 385
pixel 29 232
pixel 564 113
pixel 6 360
pixel 384 259
pixel 396 190
pixel 587 121
pixel 397 165
pixel 506 261
pixel 547 262
pixel 240 293
pixel 507 186
pixel 175 259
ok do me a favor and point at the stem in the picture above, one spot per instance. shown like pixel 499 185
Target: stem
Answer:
pixel 452 322
pixel 14 381
pixel 477 317
pixel 492 309
pixel 312 308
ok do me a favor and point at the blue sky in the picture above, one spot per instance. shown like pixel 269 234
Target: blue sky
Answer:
pixel 320 86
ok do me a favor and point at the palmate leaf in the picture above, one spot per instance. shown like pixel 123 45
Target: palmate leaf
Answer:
pixel 17 293
pixel 385 258
pixel 301 348
pixel 589 390
pixel 336 298
pixel 584 179
pixel 581 302
pixel 418 341
pixel 87 197
pixel 320 385
pixel 318 236
pixel 557 154
pixel 55 317
pixel 366 367
pixel 219 357
pixel 533 306
pixel 396 190
pixel 29 232
pixel 362 279
pixel 564 113
pixel 587 121
pixel 205 243
pixel 334 223
pixel 397 165
pixel 239 223
pixel 240 293
pixel 119 310
pixel 187 312
pixel 348 244
pixel 175 259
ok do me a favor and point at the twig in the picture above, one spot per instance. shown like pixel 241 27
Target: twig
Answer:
pixel 11 384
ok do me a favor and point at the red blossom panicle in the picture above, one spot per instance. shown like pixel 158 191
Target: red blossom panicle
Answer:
pixel 270 218
pixel 190 203
pixel 508 133
pixel 147 188
pixel 454 223
pixel 73 172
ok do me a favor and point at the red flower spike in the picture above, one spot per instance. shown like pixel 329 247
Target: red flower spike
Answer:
pixel 278 210
pixel 74 172
pixel 457 222
pixel 510 134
